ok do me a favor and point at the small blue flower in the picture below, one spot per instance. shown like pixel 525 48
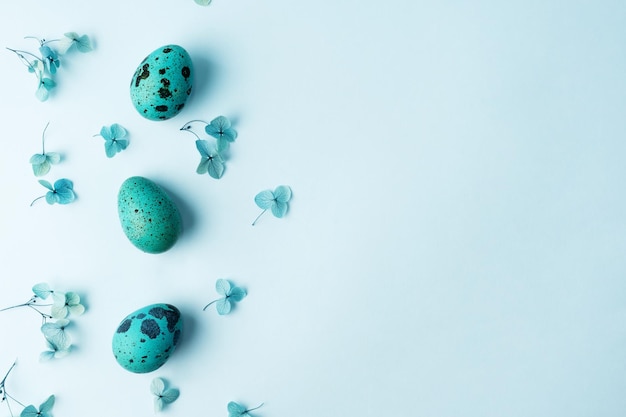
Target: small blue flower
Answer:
pixel 220 129
pixel 50 58
pixel 276 201
pixel 82 43
pixel 45 409
pixel 231 293
pixel 58 341
pixel 114 141
pixel 162 396
pixel 238 410
pixel 45 85
pixel 41 162
pixel 61 193
pixel 66 304
pixel 211 161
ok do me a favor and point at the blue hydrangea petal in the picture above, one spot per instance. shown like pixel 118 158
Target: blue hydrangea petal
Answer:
pixel 216 167
pixel 38 158
pixel 106 133
pixel 118 131
pixel 235 410
pixel 65 195
pixel 237 294
pixel 282 193
pixel 41 169
pixel 110 148
pixel 223 306
pixel 47 405
pixel 42 290
pixel 279 209
pixel 29 411
pixel 203 147
pixel 46 184
pixel 42 92
pixel 264 199
pixel 63 183
pixel 223 286
pixel 230 134
pixel 203 166
pixel 53 157
pixel 122 143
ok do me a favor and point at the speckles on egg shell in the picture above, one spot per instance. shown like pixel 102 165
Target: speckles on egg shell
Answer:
pixel 149 218
pixel 162 83
pixel 123 328
pixel 150 336
pixel 144 74
pixel 150 328
pixel 171 315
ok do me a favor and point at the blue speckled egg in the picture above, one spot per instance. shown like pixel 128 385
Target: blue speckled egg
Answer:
pixel 146 338
pixel 149 217
pixel 162 83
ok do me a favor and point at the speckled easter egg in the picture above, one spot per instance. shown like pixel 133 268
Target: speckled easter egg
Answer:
pixel 162 83
pixel 149 217
pixel 146 338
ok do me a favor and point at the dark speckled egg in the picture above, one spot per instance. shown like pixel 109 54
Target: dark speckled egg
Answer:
pixel 162 83
pixel 146 338
pixel 149 217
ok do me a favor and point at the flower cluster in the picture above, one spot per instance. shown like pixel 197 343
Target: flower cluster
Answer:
pixel 45 65
pixel 212 155
pixel 62 192
pixel 64 304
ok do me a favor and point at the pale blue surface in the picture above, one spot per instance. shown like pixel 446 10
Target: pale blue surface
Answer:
pixel 455 243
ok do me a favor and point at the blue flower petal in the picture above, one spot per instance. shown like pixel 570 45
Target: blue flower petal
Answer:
pixel 223 306
pixel 222 286
pixel 203 147
pixel 63 183
pixel 264 199
pixel 65 195
pixel 53 157
pixel 51 197
pixel 118 131
pixel 282 193
pixel 203 166
pixel 122 143
pixel 216 168
pixel 38 158
pixel 106 133
pixel 237 294
pixel 279 209
pixel 46 184
pixel 41 169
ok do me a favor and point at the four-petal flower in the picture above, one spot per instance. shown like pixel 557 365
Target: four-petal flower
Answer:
pixel 220 128
pixel 114 139
pixel 211 161
pixel 66 304
pixel 45 409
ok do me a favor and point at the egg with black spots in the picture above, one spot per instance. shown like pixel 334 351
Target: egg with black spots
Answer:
pixel 145 339
pixel 162 83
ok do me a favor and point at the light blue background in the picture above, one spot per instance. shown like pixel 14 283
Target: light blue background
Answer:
pixel 455 244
